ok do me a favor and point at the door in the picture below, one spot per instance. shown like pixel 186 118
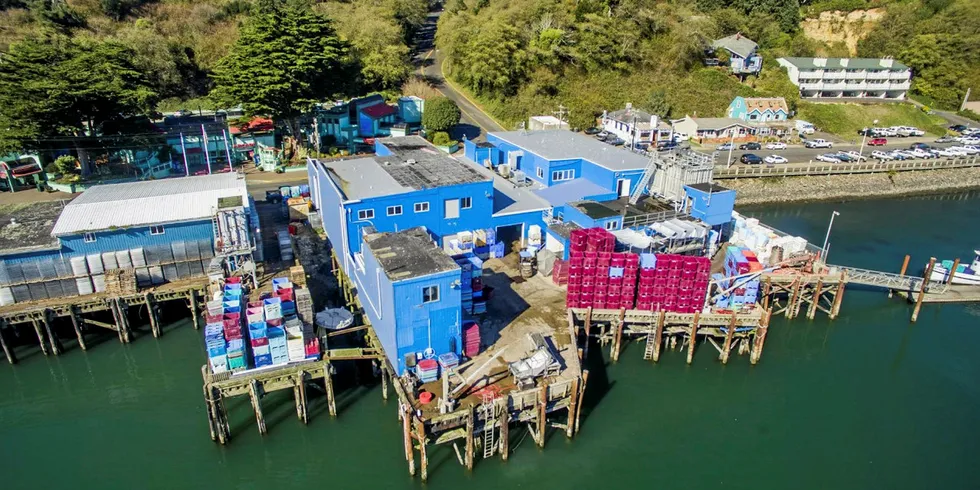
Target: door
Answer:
pixel 452 208
pixel 623 187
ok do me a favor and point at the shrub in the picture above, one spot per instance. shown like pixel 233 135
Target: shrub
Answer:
pixel 441 138
pixel 440 114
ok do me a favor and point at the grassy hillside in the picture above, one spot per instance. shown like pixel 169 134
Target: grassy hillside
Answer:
pixel 846 119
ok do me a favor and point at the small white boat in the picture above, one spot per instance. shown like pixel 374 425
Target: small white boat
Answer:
pixel 964 274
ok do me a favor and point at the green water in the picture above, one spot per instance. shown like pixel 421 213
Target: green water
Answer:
pixel 868 401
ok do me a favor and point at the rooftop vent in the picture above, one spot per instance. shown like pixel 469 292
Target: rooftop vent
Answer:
pixel 410 161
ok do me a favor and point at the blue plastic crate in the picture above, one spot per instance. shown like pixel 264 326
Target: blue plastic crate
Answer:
pixel 616 271
pixel 648 261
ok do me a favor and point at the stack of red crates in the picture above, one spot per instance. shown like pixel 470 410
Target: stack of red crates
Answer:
pixel 560 272
pixel 670 282
pixel 471 339
pixel 597 276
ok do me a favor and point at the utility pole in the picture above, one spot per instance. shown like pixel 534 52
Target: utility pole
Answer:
pixel 183 153
pixel 560 114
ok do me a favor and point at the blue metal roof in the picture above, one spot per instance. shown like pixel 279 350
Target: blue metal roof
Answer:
pixel 573 190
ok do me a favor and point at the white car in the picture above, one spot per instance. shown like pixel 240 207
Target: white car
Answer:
pixel 818 143
pixel 855 156
pixel 779 145
pixel 828 157
pixel 946 152
pixel 917 153
pixel 916 132
pixel 882 155
pixel 775 159
pixel 968 150
pixel 678 137
pixel 886 132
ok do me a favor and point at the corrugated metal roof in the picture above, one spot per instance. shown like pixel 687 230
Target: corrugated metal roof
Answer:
pixel 852 63
pixel 148 202
pixel 566 145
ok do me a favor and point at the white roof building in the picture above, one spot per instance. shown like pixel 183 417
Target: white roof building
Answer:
pixel 149 202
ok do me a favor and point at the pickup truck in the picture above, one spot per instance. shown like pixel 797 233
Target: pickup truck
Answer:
pixel 818 143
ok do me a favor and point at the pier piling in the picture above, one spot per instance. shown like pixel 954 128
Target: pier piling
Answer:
pixel 952 272
pixel 694 336
pixel 254 395
pixel 194 310
pixel 905 266
pixel 40 336
pixel 469 438
pixel 7 351
pixel 728 338
pixel 505 435
pixel 922 289
pixel 407 433
pixel 55 343
pixel 73 313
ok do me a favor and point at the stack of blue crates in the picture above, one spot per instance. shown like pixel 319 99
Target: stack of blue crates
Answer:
pixel 747 291
pixel 258 336
pixel 277 345
pixel 466 283
pixel 214 339
pixel 476 284
pixel 233 313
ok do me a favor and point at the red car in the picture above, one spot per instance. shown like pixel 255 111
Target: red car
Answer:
pixel 878 142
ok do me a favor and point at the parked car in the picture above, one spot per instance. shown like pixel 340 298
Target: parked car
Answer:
pixel 919 153
pixel 641 145
pixel 615 141
pixel 725 147
pixel 966 150
pixel 183 113
pixel 818 143
pixel 750 159
pixel 886 132
pixel 775 159
pixel 919 146
pixel 678 137
pixel 828 157
pixel 666 145
pixel 844 157
pixel 750 146
pixel 959 128
pixel 902 155
pixel 882 155
pixel 867 131
pixel 855 156
pixel 916 132
pixel 592 131
pixel 602 134
pixel 877 142
pixel 778 145
pixel 273 196
pixel 948 152
pixel 944 139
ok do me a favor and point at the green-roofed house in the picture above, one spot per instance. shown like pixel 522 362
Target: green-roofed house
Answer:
pixel 852 78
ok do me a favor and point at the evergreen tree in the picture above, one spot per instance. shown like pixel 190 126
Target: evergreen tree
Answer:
pixel 440 115
pixel 57 91
pixel 286 59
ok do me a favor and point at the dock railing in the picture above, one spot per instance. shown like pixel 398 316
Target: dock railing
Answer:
pixel 810 169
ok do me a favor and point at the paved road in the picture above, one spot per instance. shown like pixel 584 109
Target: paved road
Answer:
pixel 474 123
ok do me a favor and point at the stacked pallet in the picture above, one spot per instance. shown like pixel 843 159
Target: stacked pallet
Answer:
pixel 120 281
pixel 670 282
pixel 285 246
pixel 472 294
pixel 223 334
pixel 738 293
pixel 559 272
pixel 592 279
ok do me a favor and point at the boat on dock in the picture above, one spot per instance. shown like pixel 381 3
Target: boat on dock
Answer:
pixel 967 275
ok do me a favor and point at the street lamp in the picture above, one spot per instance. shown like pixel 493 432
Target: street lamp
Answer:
pixel 865 135
pixel 823 251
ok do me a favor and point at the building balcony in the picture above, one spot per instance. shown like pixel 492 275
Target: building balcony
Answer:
pixel 811 74
pixel 833 86
pixel 855 75
pixel 899 86
pixel 811 85
pixel 855 85
pixel 877 75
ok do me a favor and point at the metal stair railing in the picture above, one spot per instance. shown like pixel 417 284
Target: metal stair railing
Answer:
pixel 890 280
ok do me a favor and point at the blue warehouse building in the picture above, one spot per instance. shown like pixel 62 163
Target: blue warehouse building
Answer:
pixel 710 203
pixel 410 290
pixel 165 230
pixel 553 157
pixel 410 185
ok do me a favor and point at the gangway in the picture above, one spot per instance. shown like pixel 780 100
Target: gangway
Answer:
pixel 889 280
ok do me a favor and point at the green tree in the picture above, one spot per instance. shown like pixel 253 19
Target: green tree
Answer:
pixel 56 13
pixel 58 91
pixel 286 59
pixel 440 115
pixel 657 103
pixel 376 39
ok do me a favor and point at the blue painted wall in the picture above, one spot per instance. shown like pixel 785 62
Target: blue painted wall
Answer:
pixel 475 154
pixel 410 109
pixel 738 109
pixel 573 215
pixel 531 162
pixel 714 208
pixel 404 323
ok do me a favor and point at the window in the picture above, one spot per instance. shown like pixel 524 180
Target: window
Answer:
pixel 89 238
pixel 559 175
pixel 365 214
pixel 612 225
pixel 156 230
pixel 394 210
pixel 422 207
pixel 466 202
pixel 540 173
pixel 430 294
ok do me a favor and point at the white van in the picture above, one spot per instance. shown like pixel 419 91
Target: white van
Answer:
pixel 804 127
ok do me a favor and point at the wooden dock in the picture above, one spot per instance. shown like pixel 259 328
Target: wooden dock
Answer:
pixel 957 293
pixel 41 314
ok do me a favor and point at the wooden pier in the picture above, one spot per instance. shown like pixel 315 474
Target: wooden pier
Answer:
pixel 42 314
pixel 731 331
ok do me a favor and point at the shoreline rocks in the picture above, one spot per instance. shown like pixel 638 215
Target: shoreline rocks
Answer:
pixel 768 190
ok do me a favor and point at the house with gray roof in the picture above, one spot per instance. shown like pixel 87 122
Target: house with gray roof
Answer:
pixel 636 126
pixel 849 78
pixel 741 52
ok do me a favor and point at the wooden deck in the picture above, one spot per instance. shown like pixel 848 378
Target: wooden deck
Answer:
pixel 957 293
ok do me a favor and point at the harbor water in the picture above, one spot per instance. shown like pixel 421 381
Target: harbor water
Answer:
pixel 866 401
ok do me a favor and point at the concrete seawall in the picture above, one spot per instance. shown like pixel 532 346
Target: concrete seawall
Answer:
pixel 858 186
